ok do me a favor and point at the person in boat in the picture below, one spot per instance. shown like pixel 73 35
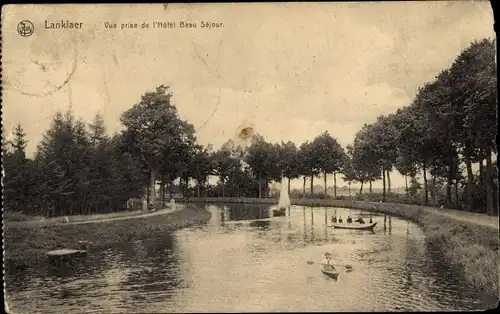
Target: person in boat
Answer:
pixel 328 261
pixel 349 219
pixel 360 220
pixel 340 220
pixel 334 219
pixel 371 220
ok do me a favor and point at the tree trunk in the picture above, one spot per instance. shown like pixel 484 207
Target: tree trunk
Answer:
pixel 426 193
pixel 335 185
pixel 148 190
pixel 383 182
pixel 198 189
pixel 495 193
pixel 470 182
pixel 406 185
pixel 152 185
pixel 224 184
pixel 483 185
pixel 456 196
pixel 260 185
pixel 162 190
pixel 361 188
pixel 482 176
pixel 181 186
pixel 162 193
pixel 495 199
pixel 324 178
pixel 434 191
pixel 490 193
pixel 388 182
pixel 449 183
pixel 288 186
pixel 370 188
pixel 312 182
pixel 304 187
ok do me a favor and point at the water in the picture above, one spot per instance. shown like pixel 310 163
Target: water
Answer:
pixel 231 264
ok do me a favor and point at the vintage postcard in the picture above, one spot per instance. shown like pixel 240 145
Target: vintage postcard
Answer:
pixel 250 157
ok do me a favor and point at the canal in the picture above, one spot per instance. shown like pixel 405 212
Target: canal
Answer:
pixel 234 263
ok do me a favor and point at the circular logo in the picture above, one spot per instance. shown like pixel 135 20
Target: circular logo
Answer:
pixel 25 28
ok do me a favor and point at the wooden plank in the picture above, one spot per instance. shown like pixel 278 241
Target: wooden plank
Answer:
pixel 65 252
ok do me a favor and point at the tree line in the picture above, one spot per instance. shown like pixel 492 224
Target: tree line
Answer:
pixel 450 125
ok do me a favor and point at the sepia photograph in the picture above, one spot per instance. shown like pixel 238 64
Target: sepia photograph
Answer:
pixel 249 157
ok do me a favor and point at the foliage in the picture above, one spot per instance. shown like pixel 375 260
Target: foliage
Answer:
pixel 433 141
pixel 452 121
pixel 288 159
pixel 262 158
pixel 156 137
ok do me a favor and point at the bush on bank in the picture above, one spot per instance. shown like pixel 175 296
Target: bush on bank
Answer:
pixel 27 245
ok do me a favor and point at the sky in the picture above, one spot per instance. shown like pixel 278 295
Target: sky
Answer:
pixel 291 71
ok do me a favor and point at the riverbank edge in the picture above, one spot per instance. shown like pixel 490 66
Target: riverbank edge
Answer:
pixel 27 246
pixel 471 247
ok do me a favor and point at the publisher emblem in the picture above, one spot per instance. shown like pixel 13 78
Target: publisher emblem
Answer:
pixel 25 28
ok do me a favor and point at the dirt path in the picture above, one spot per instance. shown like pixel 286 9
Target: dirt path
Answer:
pixel 135 216
pixel 479 219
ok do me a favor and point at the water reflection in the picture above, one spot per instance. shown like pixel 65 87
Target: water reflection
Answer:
pixel 260 224
pixel 245 260
pixel 246 212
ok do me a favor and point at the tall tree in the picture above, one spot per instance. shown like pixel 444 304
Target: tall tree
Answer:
pixel 97 131
pixel 151 127
pixel 18 183
pixel 262 157
pixel 328 157
pixel 365 156
pixel 474 74
pixel 308 164
pixel 201 167
pixel 349 172
pixel 224 164
pixel 287 161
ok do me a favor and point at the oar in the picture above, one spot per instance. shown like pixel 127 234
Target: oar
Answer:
pixel 313 262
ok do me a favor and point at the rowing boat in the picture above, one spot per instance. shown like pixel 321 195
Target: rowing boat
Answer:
pixel 330 271
pixel 355 226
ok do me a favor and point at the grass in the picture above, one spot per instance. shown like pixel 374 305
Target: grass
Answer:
pixel 18 216
pixel 472 248
pixel 26 245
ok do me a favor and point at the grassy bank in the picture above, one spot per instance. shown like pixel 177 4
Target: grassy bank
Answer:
pixel 463 239
pixel 26 245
